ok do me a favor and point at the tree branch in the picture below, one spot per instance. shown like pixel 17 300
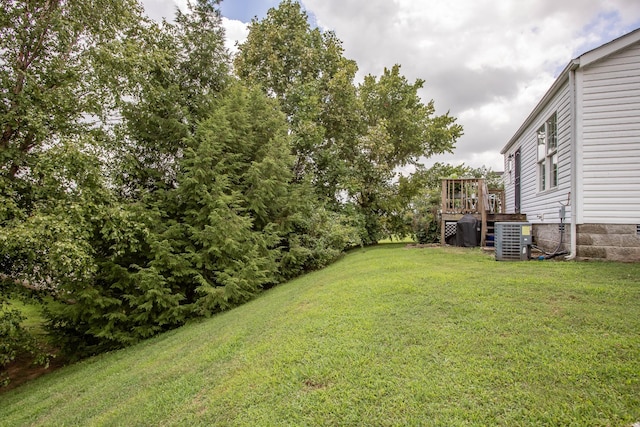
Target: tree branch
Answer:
pixel 27 285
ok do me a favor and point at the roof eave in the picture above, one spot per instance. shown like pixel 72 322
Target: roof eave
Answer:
pixel 557 84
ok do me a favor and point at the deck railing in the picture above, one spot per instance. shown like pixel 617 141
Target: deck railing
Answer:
pixel 496 201
pixel 470 195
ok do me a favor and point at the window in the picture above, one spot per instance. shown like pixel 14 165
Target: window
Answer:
pixel 547 136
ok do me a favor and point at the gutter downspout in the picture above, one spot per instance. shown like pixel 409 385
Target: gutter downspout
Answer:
pixel 573 196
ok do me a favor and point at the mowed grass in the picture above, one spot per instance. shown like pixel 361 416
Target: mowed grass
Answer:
pixel 385 336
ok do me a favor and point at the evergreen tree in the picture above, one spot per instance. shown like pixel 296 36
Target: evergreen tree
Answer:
pixel 176 70
pixel 170 76
pixel 227 213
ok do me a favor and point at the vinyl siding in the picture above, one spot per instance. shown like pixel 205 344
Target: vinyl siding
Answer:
pixel 543 206
pixel 610 134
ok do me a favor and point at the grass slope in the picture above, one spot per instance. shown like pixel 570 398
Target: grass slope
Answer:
pixel 386 336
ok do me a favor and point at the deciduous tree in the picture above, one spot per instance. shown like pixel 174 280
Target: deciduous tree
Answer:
pixel 305 70
pixel 53 103
pixel 399 130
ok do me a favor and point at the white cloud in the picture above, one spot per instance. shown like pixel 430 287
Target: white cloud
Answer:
pixel 236 32
pixel 488 62
pixel 158 9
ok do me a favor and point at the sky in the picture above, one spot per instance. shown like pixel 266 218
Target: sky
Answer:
pixel 486 62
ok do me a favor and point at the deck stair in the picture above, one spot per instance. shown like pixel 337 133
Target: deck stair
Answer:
pixel 489 240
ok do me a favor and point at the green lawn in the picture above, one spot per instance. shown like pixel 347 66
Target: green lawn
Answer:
pixel 385 336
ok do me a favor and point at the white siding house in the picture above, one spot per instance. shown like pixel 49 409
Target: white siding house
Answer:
pixel 573 166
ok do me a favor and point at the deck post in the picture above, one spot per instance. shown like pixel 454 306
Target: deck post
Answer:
pixel 443 210
pixel 483 201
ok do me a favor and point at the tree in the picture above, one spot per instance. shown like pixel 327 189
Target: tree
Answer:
pixel 141 185
pixel 170 79
pixel 399 131
pixel 225 221
pixel 48 51
pixel 53 104
pixel 304 69
pixel 50 115
pixel 175 71
pixel 349 140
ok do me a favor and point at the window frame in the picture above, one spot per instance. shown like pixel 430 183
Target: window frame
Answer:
pixel 547 154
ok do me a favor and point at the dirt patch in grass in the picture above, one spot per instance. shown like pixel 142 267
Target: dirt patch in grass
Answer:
pixel 22 369
pixel 315 385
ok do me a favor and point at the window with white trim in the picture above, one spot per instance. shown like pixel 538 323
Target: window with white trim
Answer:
pixel 547 136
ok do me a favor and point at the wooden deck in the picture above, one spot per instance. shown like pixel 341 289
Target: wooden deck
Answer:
pixel 471 196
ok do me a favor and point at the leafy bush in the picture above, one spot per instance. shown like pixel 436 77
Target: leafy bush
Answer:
pixel 426 228
pixel 320 237
pixel 15 339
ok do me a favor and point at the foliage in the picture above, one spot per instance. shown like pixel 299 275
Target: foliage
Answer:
pixel 426 227
pixel 349 140
pixel 400 130
pixel 206 245
pixel 122 302
pixel 15 339
pixel 48 53
pixel 142 184
pixel 54 102
pixel 391 102
pixel 174 72
pixel 304 69
pixel 201 241
pixel 318 237
pixel 65 229
pixel 442 336
pixel 219 246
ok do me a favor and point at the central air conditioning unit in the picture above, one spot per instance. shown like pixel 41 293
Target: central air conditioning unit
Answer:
pixel 513 241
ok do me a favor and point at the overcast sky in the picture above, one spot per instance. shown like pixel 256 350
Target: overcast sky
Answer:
pixel 487 62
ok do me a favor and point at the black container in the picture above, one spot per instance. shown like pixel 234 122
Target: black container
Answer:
pixel 468 231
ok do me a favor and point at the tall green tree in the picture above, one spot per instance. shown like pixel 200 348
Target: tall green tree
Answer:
pixel 53 105
pixel 170 79
pixel 350 140
pixel 52 110
pixel 305 70
pixel 227 214
pixel 399 130
pixel 174 72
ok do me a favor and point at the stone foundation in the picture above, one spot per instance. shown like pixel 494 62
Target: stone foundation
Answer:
pixel 613 242
pixel 547 237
